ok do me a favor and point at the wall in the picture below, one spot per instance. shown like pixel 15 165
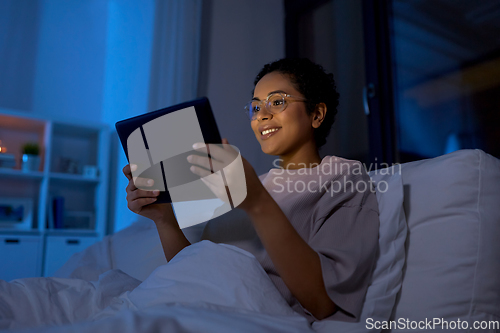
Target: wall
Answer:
pixel 332 35
pixel 244 35
pixel 69 76
pixel 18 51
pixel 53 58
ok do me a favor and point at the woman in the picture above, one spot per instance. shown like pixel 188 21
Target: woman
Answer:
pixel 317 225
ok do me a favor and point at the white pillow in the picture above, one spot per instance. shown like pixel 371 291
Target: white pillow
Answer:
pixel 452 205
pixel 135 250
pixel 388 273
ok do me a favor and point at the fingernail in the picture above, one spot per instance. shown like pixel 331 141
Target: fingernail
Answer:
pixel 133 167
pixel 150 182
pixel 156 192
pixel 189 158
pixel 198 145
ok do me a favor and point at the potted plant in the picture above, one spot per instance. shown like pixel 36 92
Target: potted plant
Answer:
pixel 30 159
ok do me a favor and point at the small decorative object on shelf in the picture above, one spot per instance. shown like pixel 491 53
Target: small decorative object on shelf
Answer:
pixel 68 165
pixel 30 159
pixel 90 171
pixel 6 160
pixel 16 213
pixel 3 150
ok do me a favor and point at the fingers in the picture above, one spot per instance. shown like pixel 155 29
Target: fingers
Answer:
pixel 220 155
pixel 137 205
pixel 135 182
pixel 139 194
pixel 138 198
pixel 203 161
pixel 127 170
pixel 200 171
pixel 218 151
pixel 143 182
pixel 138 182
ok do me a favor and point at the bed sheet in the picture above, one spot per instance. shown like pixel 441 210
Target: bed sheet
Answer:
pixel 206 287
pixel 182 318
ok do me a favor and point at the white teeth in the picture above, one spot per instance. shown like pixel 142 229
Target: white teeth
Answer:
pixel 269 131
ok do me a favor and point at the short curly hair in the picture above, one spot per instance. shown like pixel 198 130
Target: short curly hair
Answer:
pixel 314 83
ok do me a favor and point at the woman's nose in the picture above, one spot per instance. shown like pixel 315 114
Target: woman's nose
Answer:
pixel 264 114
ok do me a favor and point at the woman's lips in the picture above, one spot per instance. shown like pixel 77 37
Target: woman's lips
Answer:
pixel 268 135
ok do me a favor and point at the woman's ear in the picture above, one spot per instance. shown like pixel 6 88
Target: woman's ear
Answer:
pixel 319 115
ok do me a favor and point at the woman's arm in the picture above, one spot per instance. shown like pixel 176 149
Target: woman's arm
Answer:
pixel 140 202
pixel 296 262
pixel 171 236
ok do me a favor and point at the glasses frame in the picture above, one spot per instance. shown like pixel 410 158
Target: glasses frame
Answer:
pixel 283 97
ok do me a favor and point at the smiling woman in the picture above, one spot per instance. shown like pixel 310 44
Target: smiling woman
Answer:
pixel 317 246
pixel 318 252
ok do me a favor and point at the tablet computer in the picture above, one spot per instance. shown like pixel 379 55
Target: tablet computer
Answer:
pixel 159 142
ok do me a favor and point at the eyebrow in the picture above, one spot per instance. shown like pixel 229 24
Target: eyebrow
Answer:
pixel 272 92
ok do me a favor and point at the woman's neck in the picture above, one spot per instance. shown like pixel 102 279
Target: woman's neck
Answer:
pixel 307 157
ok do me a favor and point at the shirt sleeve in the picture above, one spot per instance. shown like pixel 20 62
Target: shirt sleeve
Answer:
pixel 346 240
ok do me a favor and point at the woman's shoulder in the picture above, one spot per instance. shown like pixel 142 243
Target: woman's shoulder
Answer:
pixel 335 167
pixel 330 167
pixel 343 164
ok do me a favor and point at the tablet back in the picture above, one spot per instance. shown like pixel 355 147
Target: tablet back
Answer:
pixel 159 142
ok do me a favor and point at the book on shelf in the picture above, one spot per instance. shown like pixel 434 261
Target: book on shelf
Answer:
pixel 7 161
pixel 58 206
pixel 56 212
pixel 50 214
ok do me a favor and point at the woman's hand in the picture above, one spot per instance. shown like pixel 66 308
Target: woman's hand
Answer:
pixel 139 201
pixel 221 158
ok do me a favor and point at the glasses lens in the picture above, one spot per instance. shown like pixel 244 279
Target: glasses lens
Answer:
pixel 276 103
pixel 252 108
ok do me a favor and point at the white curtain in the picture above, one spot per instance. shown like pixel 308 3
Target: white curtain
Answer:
pixel 148 67
pixel 176 52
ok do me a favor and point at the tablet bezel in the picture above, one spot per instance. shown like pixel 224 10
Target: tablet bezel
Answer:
pixel 206 119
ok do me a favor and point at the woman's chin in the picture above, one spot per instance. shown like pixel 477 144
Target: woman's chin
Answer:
pixel 269 150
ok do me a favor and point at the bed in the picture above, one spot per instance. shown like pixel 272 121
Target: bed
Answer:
pixel 438 257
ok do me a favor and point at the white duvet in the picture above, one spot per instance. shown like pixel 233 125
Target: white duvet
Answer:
pixel 206 287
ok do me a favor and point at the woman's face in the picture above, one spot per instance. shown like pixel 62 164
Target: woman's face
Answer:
pixel 294 124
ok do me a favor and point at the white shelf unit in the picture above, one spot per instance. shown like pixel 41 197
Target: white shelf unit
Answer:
pixel 40 250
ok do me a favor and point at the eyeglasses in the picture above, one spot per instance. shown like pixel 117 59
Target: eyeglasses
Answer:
pixel 274 103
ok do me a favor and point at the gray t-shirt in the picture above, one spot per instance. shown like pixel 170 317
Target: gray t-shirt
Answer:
pixel 334 209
